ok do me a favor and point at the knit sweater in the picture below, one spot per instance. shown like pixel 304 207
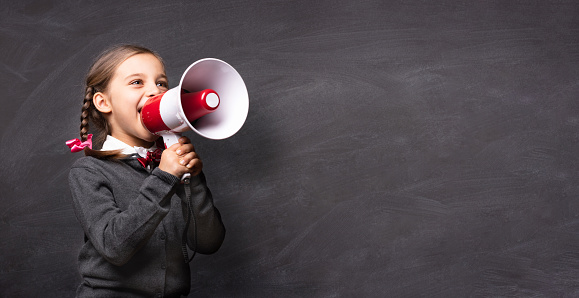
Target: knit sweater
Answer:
pixel 133 220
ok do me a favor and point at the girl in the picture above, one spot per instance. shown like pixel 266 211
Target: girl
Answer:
pixel 135 213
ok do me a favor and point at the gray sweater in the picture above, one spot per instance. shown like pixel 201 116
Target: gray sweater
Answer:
pixel 133 222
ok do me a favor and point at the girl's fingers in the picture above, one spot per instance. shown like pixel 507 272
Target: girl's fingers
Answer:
pixel 184 149
pixel 194 163
pixel 188 159
pixel 174 147
pixel 184 140
pixel 195 166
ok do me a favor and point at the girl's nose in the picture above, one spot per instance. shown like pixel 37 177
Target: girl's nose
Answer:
pixel 154 91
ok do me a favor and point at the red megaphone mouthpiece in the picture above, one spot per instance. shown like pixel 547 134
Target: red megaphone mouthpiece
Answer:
pixel 195 105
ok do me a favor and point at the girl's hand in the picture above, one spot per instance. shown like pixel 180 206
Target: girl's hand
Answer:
pixel 181 158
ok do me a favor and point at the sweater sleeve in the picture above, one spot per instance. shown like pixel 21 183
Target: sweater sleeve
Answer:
pixel 117 235
pixel 209 226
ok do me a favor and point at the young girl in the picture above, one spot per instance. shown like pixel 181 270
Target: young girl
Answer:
pixel 135 213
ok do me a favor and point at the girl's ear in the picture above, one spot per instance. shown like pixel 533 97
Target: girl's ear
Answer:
pixel 102 103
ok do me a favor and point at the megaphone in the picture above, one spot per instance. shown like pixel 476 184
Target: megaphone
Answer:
pixel 211 100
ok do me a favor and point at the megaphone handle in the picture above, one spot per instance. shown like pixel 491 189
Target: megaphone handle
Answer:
pixel 171 138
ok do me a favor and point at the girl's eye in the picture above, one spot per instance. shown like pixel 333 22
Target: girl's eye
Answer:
pixel 163 84
pixel 136 82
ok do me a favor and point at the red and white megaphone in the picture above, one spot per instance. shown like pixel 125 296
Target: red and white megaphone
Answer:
pixel 211 100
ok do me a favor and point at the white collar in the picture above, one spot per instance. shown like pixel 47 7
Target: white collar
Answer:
pixel 112 143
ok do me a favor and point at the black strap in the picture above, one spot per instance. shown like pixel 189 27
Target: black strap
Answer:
pixel 190 215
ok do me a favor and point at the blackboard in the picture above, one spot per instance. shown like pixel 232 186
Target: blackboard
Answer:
pixel 392 148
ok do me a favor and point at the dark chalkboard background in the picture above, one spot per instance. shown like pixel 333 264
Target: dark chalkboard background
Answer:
pixel 392 148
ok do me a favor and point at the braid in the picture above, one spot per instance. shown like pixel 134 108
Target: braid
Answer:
pixel 89 112
pixel 84 115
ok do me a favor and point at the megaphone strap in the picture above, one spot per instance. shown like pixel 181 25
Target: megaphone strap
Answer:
pixel 190 215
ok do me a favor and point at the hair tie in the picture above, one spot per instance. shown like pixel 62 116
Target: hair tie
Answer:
pixel 76 145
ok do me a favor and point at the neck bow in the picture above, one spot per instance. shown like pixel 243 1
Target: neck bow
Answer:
pixel 152 158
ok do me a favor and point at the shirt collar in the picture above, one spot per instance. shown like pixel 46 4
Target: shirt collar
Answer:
pixel 112 143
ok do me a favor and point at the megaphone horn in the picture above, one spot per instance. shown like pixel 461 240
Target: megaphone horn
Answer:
pixel 211 100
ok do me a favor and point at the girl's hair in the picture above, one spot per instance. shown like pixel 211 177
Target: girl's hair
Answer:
pixel 97 80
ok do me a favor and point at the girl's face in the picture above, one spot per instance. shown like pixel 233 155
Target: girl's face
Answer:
pixel 137 79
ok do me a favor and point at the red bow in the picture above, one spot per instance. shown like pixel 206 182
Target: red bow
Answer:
pixel 76 145
pixel 153 157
